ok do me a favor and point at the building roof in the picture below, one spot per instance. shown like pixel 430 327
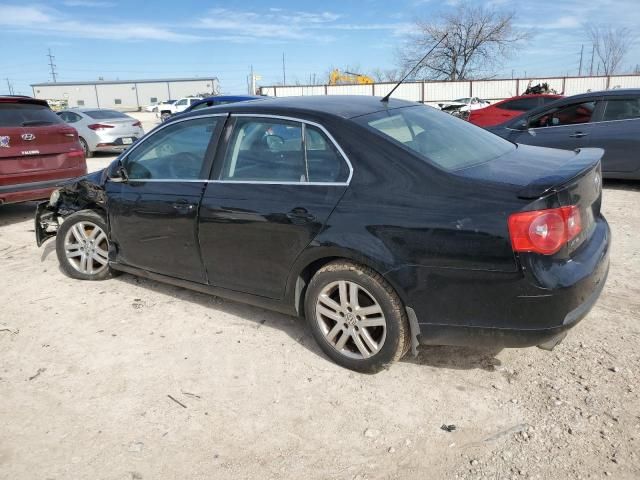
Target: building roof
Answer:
pixel 114 82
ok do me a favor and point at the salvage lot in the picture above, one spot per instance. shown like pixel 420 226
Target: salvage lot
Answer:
pixel 130 379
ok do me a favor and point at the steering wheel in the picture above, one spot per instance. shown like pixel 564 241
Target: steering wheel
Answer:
pixel 186 165
pixel 274 142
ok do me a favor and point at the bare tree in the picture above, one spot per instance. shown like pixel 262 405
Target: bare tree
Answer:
pixel 385 75
pixel 478 40
pixel 610 45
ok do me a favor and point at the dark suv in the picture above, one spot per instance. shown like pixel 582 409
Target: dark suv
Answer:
pixel 37 150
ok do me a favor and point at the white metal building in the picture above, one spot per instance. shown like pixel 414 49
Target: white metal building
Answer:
pixel 124 94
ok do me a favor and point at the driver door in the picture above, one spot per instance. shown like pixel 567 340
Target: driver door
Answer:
pixel 153 215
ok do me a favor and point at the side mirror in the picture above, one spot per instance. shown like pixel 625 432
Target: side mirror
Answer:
pixel 522 124
pixel 119 175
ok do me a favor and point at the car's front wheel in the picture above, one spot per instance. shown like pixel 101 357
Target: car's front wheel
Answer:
pixel 356 317
pixel 82 246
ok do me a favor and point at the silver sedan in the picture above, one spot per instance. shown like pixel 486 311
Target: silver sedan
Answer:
pixel 102 130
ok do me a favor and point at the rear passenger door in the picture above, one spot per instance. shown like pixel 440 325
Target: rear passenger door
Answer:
pixel 273 189
pixel 619 134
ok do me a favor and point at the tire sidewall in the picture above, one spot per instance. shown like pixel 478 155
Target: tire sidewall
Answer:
pixel 85 147
pixel 393 318
pixel 67 268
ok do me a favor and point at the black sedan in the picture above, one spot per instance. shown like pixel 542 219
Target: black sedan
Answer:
pixel 609 120
pixel 385 224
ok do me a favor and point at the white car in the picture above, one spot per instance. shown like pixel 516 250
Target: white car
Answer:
pixel 103 130
pixel 464 104
pixel 167 109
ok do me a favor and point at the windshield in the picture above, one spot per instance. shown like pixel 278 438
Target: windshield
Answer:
pixel 26 115
pixel 442 139
pixel 105 114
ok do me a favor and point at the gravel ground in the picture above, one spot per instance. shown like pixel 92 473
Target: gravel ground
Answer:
pixel 132 379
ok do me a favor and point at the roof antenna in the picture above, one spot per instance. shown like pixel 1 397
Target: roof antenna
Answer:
pixel 388 95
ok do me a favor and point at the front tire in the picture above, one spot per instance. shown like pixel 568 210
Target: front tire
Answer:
pixel 82 246
pixel 356 317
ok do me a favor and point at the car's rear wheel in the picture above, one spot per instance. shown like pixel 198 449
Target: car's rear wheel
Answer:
pixel 82 246
pixel 85 148
pixel 356 317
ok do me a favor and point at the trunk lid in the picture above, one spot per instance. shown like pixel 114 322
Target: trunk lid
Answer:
pixel 548 178
pixel 533 172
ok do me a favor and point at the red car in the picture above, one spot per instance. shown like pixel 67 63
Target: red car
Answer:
pixel 37 150
pixel 507 109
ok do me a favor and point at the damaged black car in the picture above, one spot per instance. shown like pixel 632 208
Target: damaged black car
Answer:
pixel 358 214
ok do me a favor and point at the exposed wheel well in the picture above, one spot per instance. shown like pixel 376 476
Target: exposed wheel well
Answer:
pixel 305 277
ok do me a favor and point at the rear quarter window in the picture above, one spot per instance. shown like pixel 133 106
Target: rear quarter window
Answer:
pixel 439 138
pixel 26 114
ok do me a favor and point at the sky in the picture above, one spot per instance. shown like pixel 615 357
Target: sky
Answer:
pixel 124 39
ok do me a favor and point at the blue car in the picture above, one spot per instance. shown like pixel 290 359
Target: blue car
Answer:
pixel 220 100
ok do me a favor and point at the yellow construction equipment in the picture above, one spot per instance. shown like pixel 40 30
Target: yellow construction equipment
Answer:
pixel 348 78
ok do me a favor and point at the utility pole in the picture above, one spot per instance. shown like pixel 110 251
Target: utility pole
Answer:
pixel 593 49
pixel 252 82
pixel 284 71
pixel 580 68
pixel 52 66
pixel 9 86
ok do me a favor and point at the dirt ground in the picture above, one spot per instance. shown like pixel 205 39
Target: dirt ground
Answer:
pixel 132 379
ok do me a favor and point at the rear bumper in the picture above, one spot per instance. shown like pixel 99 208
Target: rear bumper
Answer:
pixel 24 192
pixel 472 308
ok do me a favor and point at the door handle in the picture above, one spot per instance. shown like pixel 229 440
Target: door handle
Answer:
pixel 578 135
pixel 183 206
pixel 300 215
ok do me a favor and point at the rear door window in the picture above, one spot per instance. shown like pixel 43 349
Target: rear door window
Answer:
pixel 324 162
pixel 26 115
pixel 265 150
pixel 622 109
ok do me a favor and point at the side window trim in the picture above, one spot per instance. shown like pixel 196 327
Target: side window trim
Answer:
pixel 304 123
pixel 209 154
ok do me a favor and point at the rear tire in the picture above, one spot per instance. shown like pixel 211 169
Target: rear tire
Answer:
pixel 356 317
pixel 85 148
pixel 82 246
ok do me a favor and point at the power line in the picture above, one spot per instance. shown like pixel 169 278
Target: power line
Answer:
pixel 284 71
pixel 52 65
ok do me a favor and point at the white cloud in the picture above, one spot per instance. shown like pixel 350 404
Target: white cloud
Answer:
pixel 46 21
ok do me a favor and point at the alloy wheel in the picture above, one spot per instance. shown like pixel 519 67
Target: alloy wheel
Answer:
pixel 86 247
pixel 351 319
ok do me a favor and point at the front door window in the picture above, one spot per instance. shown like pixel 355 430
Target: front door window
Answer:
pixel 176 152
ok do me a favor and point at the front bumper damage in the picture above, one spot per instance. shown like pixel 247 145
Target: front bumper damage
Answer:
pixel 46 223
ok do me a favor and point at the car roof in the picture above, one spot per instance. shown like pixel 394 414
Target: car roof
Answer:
pixel 616 92
pixel 22 99
pixel 344 106
pixel 232 97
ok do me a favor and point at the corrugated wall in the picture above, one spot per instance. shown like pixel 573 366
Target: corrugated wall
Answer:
pixel 434 92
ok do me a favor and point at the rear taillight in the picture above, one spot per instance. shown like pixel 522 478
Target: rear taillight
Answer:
pixel 544 231
pixel 99 126
pixel 137 124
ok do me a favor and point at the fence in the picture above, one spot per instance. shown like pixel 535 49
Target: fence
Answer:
pixel 432 92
